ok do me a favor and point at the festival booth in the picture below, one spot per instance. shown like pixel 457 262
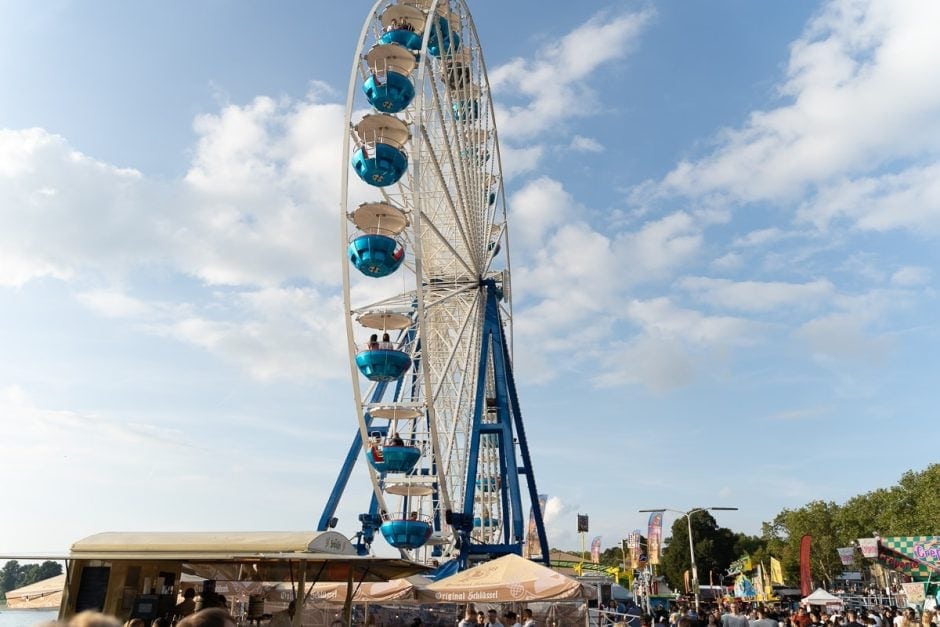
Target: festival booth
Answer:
pixel 821 597
pixel 139 575
pixel 916 559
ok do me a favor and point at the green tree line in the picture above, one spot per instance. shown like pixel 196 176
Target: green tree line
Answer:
pixel 910 507
pixel 15 575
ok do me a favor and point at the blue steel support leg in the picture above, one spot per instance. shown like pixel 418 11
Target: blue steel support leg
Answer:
pixel 352 456
pixel 526 458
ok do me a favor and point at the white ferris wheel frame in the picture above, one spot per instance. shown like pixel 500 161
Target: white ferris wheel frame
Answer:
pixel 452 248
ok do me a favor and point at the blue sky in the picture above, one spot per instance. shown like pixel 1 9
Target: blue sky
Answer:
pixel 724 220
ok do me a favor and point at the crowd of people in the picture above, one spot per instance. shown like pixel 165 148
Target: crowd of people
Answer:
pixel 759 615
pixel 490 618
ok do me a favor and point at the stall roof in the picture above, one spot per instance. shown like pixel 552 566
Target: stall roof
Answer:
pixel 248 555
pixel 212 542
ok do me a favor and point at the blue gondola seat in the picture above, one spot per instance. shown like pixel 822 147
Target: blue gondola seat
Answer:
pixel 484 523
pixel 376 255
pixel 407 38
pixel 406 534
pixel 466 110
pixel 383 364
pixel 385 165
pixel 393 458
pixel 390 94
pixel 443 39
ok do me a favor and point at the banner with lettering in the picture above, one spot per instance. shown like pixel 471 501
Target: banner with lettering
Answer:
pixel 869 547
pixel 915 593
pixel 847 555
pixel 924 549
pixel 654 536
pixel 633 543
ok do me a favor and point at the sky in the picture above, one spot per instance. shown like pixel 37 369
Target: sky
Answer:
pixel 724 221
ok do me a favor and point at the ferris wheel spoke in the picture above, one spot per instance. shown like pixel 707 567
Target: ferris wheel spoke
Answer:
pixel 460 173
pixel 442 240
pixel 445 188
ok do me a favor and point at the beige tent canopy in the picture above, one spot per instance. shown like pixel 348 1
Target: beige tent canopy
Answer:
pixel 329 592
pixel 503 580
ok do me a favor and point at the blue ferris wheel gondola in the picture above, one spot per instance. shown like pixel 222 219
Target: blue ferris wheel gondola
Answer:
pixel 406 534
pixel 385 167
pixel 393 458
pixel 443 39
pixel 376 255
pixel 392 96
pixel 407 38
pixel 383 364
pixel 465 110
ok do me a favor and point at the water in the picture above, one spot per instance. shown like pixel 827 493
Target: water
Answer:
pixel 25 618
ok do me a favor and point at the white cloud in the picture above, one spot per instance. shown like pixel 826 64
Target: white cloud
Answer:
pixel 585 144
pixel 760 237
pixel 516 161
pixel 911 276
pixel 844 337
pixel 908 200
pixel 673 346
pixel 756 296
pixel 113 304
pixel 555 83
pixel 537 209
pixel 861 96
pixel 256 211
pixel 659 317
pixel 727 262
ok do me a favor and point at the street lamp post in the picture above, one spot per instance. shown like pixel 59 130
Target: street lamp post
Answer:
pixel 688 519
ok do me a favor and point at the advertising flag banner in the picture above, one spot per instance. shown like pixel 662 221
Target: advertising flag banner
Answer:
pixel 633 542
pixel 806 578
pixel 596 550
pixel 847 555
pixel 533 548
pixel 654 536
pixel 743 588
pixel 924 549
pixel 776 571
pixel 914 591
pixel 869 547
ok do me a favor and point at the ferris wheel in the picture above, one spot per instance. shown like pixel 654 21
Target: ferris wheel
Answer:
pixel 426 279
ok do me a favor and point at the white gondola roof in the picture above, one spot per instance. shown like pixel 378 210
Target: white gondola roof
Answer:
pixel 405 11
pixel 408 489
pixel 467 92
pixel 384 128
pixel 374 217
pixel 391 56
pixel 383 320
pixel 477 135
pixel 460 56
pixel 393 412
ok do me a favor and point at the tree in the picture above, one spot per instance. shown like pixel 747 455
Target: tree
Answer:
pixel 818 519
pixel 714 549
pixel 15 575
